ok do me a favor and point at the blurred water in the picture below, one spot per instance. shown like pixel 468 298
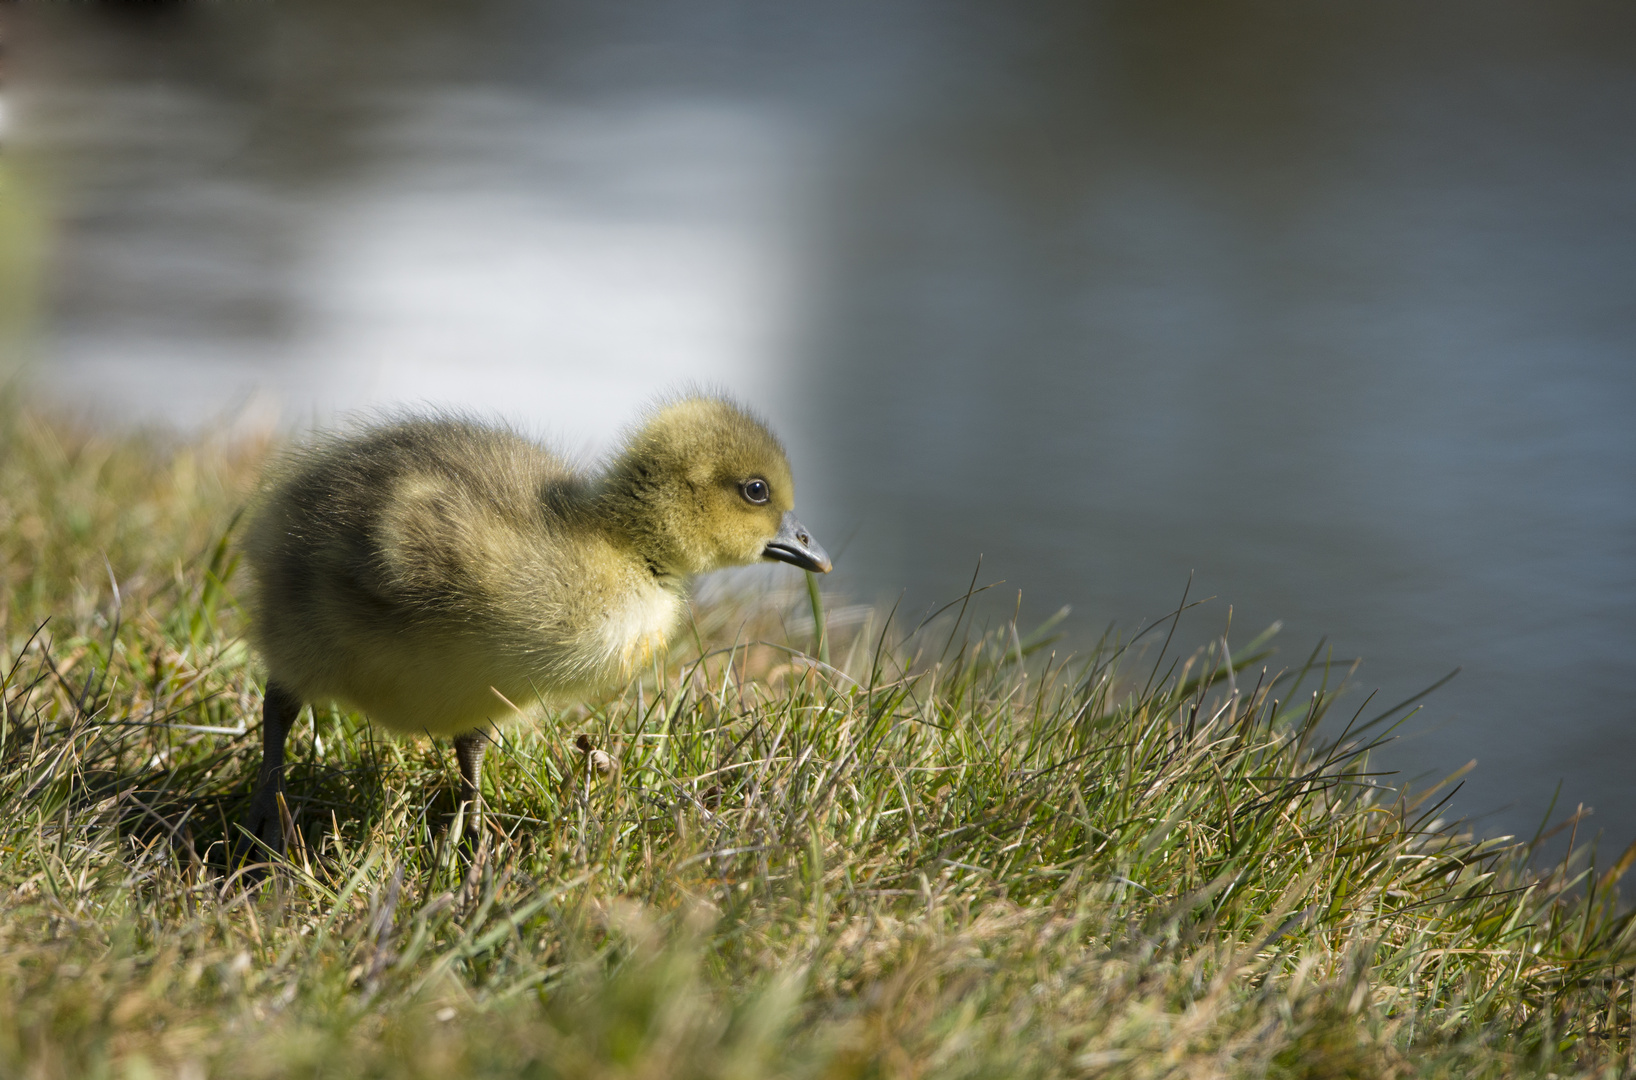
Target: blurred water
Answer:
pixel 473 246
pixel 1333 307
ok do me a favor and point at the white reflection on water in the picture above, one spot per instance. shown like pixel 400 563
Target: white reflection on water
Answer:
pixel 560 266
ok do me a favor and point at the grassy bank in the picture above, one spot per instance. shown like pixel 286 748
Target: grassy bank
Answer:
pixel 947 853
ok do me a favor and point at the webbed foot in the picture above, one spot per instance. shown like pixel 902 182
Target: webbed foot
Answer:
pixel 262 834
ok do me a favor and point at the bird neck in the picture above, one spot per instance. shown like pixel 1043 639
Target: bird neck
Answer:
pixel 631 504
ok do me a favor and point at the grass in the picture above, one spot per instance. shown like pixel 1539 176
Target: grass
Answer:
pixel 942 853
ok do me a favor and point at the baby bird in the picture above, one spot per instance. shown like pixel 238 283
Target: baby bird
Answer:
pixel 432 571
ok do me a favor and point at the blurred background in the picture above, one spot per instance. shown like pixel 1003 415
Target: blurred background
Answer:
pixel 1330 306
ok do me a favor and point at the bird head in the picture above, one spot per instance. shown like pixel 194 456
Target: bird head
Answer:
pixel 702 485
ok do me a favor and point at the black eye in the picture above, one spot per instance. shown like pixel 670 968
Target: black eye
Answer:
pixel 755 491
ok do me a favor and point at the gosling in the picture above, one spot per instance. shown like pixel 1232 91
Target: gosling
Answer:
pixel 433 571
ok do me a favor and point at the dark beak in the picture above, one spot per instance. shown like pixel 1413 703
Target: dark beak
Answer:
pixel 793 545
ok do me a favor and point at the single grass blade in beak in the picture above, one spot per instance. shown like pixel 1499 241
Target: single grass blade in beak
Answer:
pixel 795 545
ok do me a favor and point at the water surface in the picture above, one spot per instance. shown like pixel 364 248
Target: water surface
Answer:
pixel 1332 308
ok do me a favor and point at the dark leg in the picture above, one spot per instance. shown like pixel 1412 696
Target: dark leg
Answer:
pixel 467 824
pixel 263 821
pixel 468 748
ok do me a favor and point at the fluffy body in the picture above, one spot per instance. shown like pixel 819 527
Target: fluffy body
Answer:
pixel 435 572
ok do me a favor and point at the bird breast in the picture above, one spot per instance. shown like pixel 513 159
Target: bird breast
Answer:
pixel 638 626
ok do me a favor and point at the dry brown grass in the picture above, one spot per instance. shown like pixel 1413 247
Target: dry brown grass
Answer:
pixel 947 854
